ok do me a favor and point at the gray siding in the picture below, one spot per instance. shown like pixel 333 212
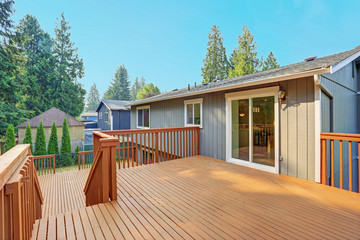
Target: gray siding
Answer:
pixel 296 125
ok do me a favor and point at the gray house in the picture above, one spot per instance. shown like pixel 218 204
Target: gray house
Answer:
pixel 113 115
pixel 268 120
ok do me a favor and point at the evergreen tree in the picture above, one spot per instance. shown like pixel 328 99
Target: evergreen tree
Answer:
pixel 244 58
pixel 28 137
pixel 135 88
pixel 270 62
pixel 65 139
pixel 93 99
pixel 149 90
pixel 10 71
pixel 69 67
pixel 119 88
pixel 39 77
pixel 142 83
pixel 53 147
pixel 40 142
pixel 10 141
pixel 215 62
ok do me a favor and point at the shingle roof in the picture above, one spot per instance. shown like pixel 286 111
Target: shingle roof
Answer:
pixel 49 116
pixel 115 104
pixel 319 63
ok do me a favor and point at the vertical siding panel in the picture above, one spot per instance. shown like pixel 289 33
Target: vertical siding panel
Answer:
pixel 284 133
pixel 311 129
pixel 302 144
pixel 292 123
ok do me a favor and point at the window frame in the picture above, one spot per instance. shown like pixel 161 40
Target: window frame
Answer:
pixel 193 102
pixel 137 116
pixel 106 114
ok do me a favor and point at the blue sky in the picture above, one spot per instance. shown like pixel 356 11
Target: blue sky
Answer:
pixel 165 41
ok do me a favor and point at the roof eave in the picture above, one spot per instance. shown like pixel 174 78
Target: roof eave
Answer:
pixel 246 84
pixel 344 62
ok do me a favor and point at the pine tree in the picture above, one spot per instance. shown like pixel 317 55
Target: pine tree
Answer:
pixel 136 87
pixel 69 67
pixel 244 58
pixel 142 83
pixel 149 90
pixel 11 62
pixel 10 141
pixel 53 147
pixel 65 139
pixel 119 88
pixel 270 62
pixel 215 62
pixel 40 142
pixel 28 137
pixel 93 99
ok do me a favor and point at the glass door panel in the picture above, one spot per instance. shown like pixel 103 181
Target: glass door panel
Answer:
pixel 263 131
pixel 240 129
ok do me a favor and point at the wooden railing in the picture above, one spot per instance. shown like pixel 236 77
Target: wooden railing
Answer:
pixel 339 154
pixel 146 146
pixel 44 164
pixel 100 186
pixel 85 159
pixel 20 194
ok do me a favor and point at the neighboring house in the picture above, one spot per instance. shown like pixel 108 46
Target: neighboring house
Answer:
pixel 90 119
pixel 113 115
pixel 268 120
pixel 89 116
pixel 76 128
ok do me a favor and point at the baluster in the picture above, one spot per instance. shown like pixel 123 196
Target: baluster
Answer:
pixel 136 149
pixel 141 153
pixel 341 163
pixel 123 150
pixel 128 150
pixel 153 148
pixel 332 161
pixel 350 166
pixel 323 161
pixel 172 145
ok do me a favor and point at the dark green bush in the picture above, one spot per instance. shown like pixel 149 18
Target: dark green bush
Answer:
pixel 10 141
pixel 28 137
pixel 53 147
pixel 40 143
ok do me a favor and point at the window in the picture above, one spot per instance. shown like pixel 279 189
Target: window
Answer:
pixel 100 115
pixel 106 116
pixel 193 112
pixel 143 117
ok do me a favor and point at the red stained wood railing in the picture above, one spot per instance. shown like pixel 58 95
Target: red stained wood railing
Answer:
pixel 44 164
pixel 146 146
pixel 85 159
pixel 20 194
pixel 100 186
pixel 338 142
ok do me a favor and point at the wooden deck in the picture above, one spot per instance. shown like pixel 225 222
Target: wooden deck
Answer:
pixel 63 192
pixel 203 198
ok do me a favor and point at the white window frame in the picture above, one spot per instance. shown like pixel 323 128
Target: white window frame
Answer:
pixel 263 92
pixel 100 115
pixel 193 101
pixel 137 115
pixel 106 113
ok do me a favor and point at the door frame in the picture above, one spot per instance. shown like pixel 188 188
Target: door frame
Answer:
pixel 262 92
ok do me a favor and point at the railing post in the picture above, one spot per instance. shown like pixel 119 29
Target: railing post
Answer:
pixel 79 159
pixel 16 224
pixel 323 161
pixel 197 142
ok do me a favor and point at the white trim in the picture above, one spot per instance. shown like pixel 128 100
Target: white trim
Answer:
pixel 193 101
pixel 271 91
pixel 112 122
pixel 343 63
pixel 241 85
pixel 317 114
pixel 139 108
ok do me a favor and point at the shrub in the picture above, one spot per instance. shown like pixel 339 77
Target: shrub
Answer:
pixel 28 137
pixel 65 139
pixel 53 147
pixel 40 143
pixel 10 141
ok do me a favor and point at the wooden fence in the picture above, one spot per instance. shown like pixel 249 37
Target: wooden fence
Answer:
pixel 146 146
pixel 85 159
pixel 339 157
pixel 44 164
pixel 20 194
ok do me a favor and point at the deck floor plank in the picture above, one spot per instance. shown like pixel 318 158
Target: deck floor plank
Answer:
pixel 198 198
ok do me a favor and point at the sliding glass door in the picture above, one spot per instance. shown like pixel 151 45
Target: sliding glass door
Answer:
pixel 252 134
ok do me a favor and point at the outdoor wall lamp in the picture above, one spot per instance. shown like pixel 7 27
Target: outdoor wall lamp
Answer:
pixel 282 95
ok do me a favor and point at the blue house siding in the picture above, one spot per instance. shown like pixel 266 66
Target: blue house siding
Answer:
pixel 102 124
pixel 124 122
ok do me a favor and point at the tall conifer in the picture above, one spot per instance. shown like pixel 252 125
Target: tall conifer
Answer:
pixel 40 142
pixel 53 147
pixel 28 137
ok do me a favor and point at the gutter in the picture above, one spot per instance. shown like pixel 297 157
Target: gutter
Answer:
pixel 238 85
